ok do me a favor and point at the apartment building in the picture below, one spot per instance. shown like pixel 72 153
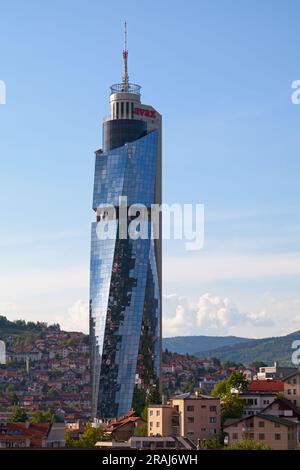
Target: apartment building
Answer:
pixel 192 416
pixel 283 408
pixel 278 433
pixel 291 385
pixel 163 420
pixel 255 402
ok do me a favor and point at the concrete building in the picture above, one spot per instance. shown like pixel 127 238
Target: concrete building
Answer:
pixel 292 388
pixel 274 372
pixel 255 402
pixel 278 433
pixel 192 416
pixel 163 420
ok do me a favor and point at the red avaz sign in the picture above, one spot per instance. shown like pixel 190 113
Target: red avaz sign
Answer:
pixel 145 112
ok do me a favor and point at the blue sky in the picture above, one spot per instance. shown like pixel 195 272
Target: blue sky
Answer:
pixel 220 72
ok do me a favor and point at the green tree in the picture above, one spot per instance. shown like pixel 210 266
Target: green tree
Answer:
pixel 189 386
pixel 214 443
pixel 237 381
pixel 231 404
pixel 18 415
pixel 43 417
pixel 153 397
pixel 89 438
pixel 231 407
pixel 249 444
pixel 141 430
pixel 219 389
pixel 138 400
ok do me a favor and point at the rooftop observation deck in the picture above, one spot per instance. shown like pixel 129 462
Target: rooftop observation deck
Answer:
pixel 125 88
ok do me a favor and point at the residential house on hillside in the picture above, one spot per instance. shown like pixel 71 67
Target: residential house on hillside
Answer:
pixel 14 435
pixel 275 372
pixel 123 428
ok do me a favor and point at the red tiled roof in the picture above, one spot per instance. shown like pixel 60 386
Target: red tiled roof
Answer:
pixel 34 432
pixel 115 426
pixel 266 386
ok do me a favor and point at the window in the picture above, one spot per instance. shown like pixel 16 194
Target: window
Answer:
pixel 212 408
pixel 157 412
pixel 294 391
pixel 261 424
pixel 261 437
pixel 191 419
pixel 277 425
pixel 277 437
pixel 157 424
pixel 190 408
pixel 235 436
pixel 294 381
pixel 203 406
pixel 151 424
pixel 289 391
pixel 212 419
pixel 151 412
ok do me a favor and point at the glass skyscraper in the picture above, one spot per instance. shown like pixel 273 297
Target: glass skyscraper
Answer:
pixel 125 272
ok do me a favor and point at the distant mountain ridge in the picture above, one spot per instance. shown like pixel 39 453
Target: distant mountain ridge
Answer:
pixel 197 344
pixel 233 348
pixel 267 350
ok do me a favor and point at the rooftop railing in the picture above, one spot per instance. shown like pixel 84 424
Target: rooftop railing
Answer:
pixel 125 88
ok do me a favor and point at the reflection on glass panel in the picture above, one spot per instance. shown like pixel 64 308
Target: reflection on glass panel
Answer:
pixel 124 289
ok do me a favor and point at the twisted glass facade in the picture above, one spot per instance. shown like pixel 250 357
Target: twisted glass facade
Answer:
pixel 125 293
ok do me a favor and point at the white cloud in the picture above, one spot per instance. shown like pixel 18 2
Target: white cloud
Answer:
pixel 210 314
pixel 76 319
pixel 203 266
